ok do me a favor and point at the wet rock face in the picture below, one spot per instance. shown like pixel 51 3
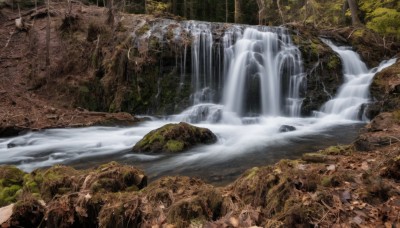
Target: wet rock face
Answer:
pixel 173 138
pixel 322 68
pixel 385 89
pixel 381 132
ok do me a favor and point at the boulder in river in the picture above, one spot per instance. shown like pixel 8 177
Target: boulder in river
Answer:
pixel 286 128
pixel 172 138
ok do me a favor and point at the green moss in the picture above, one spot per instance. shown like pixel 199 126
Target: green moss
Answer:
pixel 337 150
pixel 10 175
pixel 30 184
pixel 326 181
pixel 11 180
pixel 142 30
pixel 333 62
pixel 396 116
pixel 9 194
pixel 174 146
pixel 252 173
pixel 150 138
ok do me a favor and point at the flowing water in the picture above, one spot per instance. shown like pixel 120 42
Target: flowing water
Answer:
pixel 245 87
pixel 355 90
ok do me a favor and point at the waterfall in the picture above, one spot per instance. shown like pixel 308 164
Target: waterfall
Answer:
pixel 355 90
pixel 243 70
pixel 266 56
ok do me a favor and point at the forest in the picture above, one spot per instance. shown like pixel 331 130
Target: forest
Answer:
pixel 380 16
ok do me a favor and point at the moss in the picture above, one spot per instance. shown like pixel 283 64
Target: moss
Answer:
pixel 11 180
pixel 174 146
pixel 9 194
pixel 10 175
pixel 56 180
pixel 252 172
pixel 326 181
pixel 338 150
pixel 314 157
pixel 30 184
pixel 333 62
pixel 174 138
pixel 396 116
pixel 142 30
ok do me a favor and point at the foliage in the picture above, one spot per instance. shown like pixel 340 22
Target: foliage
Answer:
pixel 157 7
pixel 385 21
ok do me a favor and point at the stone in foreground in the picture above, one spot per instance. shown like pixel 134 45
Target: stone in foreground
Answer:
pixel 173 138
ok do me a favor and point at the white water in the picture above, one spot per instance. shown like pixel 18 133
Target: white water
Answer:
pixel 74 146
pixel 265 55
pixel 355 90
pixel 275 63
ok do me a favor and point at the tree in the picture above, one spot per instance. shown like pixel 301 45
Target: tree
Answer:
pixel 354 12
pixel 238 11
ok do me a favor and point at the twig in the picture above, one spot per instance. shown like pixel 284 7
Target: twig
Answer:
pixel 352 33
pixel 8 41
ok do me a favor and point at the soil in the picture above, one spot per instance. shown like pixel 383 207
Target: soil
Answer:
pixel 28 97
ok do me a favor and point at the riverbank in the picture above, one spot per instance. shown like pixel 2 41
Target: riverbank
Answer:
pixel 338 186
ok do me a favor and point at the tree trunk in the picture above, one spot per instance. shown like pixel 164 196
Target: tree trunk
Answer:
pixel 280 11
pixel 226 11
pixel 174 7
pixel 354 13
pixel 48 40
pixel 185 8
pixel 238 12
pixel 191 10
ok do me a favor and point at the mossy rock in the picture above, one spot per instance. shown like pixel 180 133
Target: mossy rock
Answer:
pixel 113 177
pixel 11 181
pixel 174 138
pixel 57 180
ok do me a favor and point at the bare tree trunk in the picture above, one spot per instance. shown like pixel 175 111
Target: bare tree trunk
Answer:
pixel 238 11
pixel 226 11
pixel 174 7
pixel 262 10
pixel 191 10
pixel 280 10
pixel 354 13
pixel 48 39
pixel 185 8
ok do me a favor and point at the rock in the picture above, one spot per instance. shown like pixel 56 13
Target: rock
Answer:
pixel 9 131
pixel 5 213
pixel 381 122
pixel 384 89
pixel 368 142
pixel 173 138
pixel 286 128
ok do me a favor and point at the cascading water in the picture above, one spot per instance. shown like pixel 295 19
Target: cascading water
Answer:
pixel 268 57
pixel 248 71
pixel 355 90
pixel 236 72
